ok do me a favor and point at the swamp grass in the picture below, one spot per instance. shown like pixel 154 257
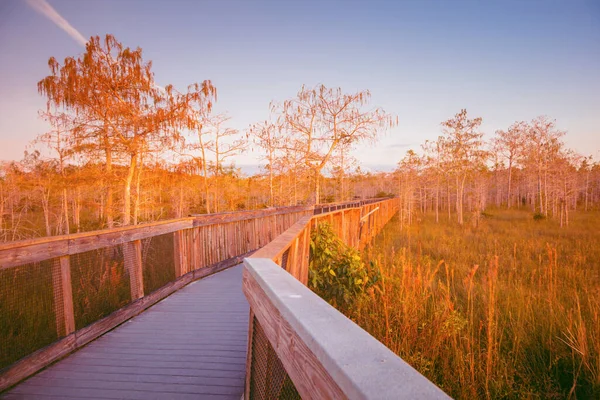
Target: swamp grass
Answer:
pixel 504 308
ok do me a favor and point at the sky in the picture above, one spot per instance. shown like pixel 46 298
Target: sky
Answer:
pixel 421 60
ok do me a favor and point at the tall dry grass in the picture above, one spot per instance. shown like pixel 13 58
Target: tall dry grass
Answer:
pixel 505 309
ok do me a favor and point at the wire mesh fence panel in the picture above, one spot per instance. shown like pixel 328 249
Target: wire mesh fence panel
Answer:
pixel 268 378
pixel 284 259
pixel 158 261
pixel 27 315
pixel 100 284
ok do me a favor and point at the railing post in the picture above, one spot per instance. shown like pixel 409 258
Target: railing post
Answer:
pixel 305 255
pixel 178 253
pixel 195 249
pixel 133 265
pixel 63 296
pixel 293 257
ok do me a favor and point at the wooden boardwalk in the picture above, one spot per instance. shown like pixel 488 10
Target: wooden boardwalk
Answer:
pixel 192 345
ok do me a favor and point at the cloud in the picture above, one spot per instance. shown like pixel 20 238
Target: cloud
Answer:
pixel 42 7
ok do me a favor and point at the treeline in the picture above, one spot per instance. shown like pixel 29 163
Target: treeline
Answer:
pixel 33 193
pixel 126 150
pixel 525 166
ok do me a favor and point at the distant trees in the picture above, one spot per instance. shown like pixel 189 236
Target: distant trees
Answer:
pixel 529 159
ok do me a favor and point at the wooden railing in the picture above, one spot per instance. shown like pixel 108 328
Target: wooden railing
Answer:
pixel 301 347
pixel 184 250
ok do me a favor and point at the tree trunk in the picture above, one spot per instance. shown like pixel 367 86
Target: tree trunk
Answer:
pixel 508 193
pixel 109 190
pixel 448 199
pixel 77 210
pixel 127 190
pixel 46 209
pixel 204 170
pixel 587 185
pixel 540 190
pixel 270 178
pixel 437 200
pixel 317 187
pixel 546 192
pixel 458 205
pixel 136 206
pixel 65 211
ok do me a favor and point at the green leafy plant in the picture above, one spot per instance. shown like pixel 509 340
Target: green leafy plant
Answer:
pixel 337 272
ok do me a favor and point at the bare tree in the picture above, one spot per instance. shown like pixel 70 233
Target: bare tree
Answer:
pixel 464 146
pixel 541 147
pixel 433 160
pixel 509 146
pixel 409 174
pixel 59 140
pixel 267 135
pixel 227 144
pixel 111 91
pixel 322 119
pixel 199 113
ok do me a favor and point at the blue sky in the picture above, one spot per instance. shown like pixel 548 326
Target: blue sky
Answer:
pixel 422 60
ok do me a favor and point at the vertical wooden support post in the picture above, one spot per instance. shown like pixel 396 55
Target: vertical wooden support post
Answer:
pixel 292 261
pixel 63 296
pixel 133 265
pixel 195 249
pixel 178 253
pixel 344 228
pixel 305 257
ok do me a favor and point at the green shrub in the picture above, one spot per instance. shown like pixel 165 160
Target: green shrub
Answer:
pixel 538 217
pixel 337 272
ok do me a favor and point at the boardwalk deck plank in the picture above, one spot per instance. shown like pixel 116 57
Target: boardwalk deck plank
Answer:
pixel 191 345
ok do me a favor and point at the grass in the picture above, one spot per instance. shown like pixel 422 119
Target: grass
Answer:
pixel 509 308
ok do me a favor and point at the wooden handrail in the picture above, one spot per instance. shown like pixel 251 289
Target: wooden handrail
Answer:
pixel 34 250
pixel 325 354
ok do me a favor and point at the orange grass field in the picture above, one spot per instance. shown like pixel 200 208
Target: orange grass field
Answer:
pixel 506 309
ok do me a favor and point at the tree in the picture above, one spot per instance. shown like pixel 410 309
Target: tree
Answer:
pixel 226 145
pixel 110 94
pixel 321 119
pixel 542 146
pixel 464 146
pixel 267 135
pixel 342 164
pixel 433 160
pixel 509 145
pixel 409 171
pixel 586 167
pixel 59 140
pixel 199 112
